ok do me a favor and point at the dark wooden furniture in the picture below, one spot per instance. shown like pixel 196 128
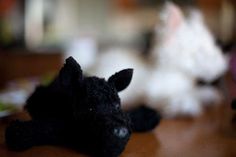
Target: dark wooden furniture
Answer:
pixel 22 63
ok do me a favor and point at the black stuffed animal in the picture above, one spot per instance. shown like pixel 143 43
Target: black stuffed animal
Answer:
pixel 80 112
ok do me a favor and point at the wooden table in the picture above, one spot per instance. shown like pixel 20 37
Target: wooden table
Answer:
pixel 209 135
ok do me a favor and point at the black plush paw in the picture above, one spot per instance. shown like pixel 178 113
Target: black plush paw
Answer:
pixel 17 136
pixel 144 119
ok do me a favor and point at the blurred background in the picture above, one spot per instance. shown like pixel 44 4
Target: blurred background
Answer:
pixel 37 35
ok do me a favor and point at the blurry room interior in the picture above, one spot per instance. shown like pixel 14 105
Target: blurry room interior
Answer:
pixel 37 35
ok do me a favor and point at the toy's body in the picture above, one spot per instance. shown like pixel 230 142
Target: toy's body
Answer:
pixel 184 52
pixel 77 111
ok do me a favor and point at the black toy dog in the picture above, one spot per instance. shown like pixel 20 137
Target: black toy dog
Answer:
pixel 80 112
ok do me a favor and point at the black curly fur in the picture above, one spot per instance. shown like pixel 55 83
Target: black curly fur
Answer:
pixel 78 111
pixel 21 135
pixel 233 104
pixel 144 119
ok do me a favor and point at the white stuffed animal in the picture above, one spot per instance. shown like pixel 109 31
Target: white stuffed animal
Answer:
pixel 184 51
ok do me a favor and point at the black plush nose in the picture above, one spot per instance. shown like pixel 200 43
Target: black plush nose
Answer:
pixel 121 132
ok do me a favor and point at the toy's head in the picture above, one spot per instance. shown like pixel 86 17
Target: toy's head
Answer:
pixel 188 38
pixel 96 107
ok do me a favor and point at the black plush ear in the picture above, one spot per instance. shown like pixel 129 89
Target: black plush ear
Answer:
pixel 121 79
pixel 70 73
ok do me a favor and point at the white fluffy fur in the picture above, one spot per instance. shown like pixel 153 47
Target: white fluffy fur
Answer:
pixel 184 51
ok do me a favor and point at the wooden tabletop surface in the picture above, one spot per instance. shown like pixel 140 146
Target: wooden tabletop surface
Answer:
pixel 213 134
